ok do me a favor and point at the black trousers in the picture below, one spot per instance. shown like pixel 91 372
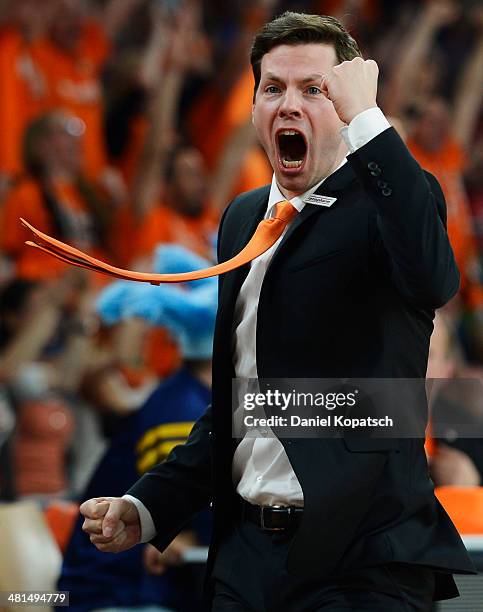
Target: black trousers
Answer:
pixel 250 576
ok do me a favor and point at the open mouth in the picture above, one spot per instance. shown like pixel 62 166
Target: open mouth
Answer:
pixel 292 148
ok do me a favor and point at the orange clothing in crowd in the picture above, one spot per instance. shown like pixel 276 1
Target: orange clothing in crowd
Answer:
pixel 160 356
pixel 219 119
pixel 73 81
pixel 27 201
pixel 135 244
pixel 255 172
pixel 163 224
pixel 447 166
pixel 128 163
pixel 23 95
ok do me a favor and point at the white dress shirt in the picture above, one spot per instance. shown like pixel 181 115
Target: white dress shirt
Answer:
pixel 261 470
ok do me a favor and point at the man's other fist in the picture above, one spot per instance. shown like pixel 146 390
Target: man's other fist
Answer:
pixel 112 523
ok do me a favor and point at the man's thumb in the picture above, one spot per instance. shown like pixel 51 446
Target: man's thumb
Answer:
pixel 111 519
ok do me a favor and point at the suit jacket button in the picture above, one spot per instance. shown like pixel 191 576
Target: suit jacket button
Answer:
pixel 381 184
pixel 387 191
pixel 372 166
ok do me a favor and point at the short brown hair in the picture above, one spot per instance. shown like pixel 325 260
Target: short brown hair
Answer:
pixel 300 29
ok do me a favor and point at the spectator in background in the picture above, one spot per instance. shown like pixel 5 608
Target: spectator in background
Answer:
pixel 22 82
pixel 166 62
pixel 435 148
pixel 98 581
pixel 72 58
pixel 43 422
pixel 135 75
pixel 441 133
pixel 55 196
pixel 42 356
pixel 185 217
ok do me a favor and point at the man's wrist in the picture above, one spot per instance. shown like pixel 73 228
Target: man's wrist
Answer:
pixel 364 127
pixel 359 110
pixel 148 530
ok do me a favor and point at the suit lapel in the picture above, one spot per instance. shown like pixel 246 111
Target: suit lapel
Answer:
pixel 332 187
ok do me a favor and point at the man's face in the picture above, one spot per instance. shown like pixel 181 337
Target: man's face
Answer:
pixel 295 122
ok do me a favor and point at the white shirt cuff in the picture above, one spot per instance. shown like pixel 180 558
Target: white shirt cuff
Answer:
pixel 364 127
pixel 148 530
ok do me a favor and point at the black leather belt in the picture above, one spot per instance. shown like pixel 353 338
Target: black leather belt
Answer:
pixel 271 518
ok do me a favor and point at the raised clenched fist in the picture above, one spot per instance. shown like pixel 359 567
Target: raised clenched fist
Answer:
pixel 352 87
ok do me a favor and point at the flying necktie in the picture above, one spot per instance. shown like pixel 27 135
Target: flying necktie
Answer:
pixel 265 236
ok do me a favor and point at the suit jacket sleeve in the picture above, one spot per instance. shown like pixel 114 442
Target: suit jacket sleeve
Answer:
pixel 175 490
pixel 409 229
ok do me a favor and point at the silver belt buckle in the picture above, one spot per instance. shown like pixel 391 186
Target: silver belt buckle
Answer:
pixel 262 517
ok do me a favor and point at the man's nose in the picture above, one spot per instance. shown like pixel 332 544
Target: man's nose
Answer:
pixel 290 105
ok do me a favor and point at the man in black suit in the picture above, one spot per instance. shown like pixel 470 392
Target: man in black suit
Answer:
pixel 349 290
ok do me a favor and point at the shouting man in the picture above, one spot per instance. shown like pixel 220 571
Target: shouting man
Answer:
pixel 348 290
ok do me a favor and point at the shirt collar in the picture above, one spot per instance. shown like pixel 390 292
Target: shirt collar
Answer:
pixel 298 201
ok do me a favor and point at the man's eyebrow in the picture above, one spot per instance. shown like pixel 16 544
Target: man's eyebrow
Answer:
pixel 270 76
pixel 316 76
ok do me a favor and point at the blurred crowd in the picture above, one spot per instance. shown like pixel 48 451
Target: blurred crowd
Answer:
pixel 127 123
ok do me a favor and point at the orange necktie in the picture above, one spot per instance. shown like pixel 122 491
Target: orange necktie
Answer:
pixel 265 236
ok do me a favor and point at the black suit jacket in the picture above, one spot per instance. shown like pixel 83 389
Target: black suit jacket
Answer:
pixel 350 292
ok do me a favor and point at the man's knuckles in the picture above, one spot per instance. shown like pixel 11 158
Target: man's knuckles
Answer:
pixel 99 511
pixel 88 507
pixel 94 508
pixel 358 65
